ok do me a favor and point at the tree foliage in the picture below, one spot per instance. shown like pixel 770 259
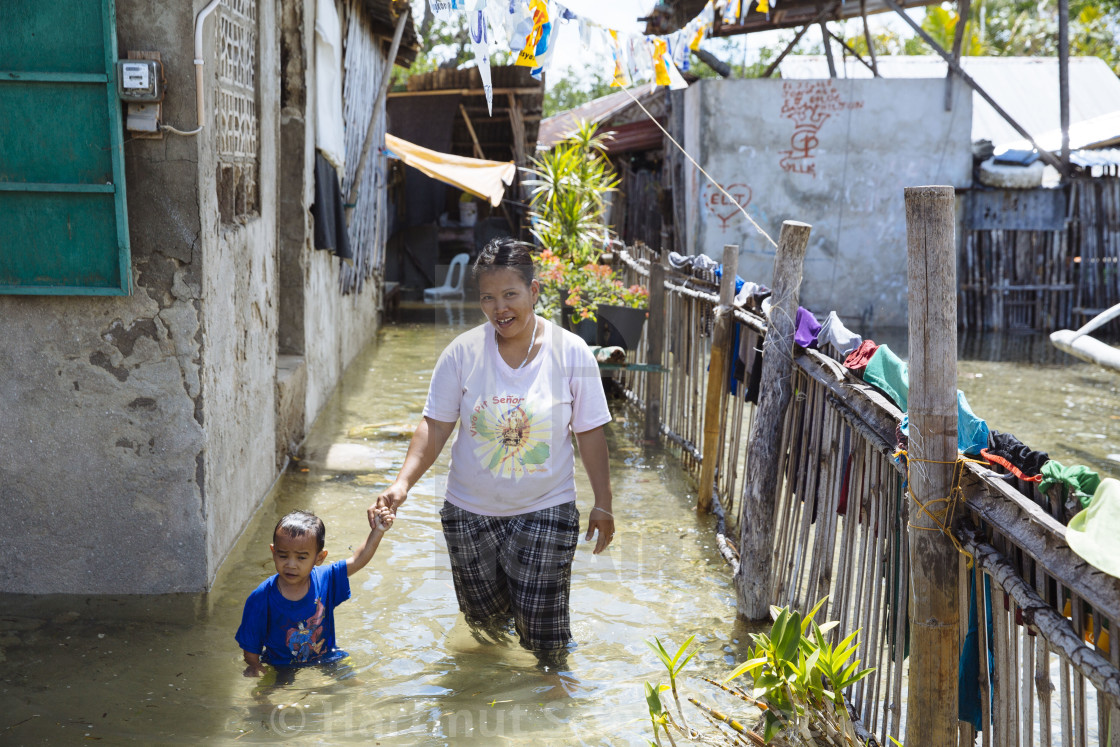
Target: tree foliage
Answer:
pixel 1009 28
pixel 567 90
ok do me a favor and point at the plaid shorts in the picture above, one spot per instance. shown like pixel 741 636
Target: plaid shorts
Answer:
pixel 519 566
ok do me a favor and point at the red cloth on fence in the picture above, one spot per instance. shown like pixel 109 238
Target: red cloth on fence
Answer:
pixel 858 359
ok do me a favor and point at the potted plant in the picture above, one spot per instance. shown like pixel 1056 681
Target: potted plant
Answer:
pixel 567 201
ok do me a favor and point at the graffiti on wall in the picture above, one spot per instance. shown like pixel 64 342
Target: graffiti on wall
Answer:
pixel 717 204
pixel 809 104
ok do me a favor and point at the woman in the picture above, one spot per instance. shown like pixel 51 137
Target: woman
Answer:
pixel 519 386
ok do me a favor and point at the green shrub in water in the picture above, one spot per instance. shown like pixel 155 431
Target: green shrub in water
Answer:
pixel 797 678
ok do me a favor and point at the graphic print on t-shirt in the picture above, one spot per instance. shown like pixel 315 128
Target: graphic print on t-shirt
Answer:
pixel 512 438
pixel 305 639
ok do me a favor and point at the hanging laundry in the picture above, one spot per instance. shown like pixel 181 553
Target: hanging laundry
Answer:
pixel 1078 483
pixel 1015 456
pixel 329 212
pixel 834 333
pixel 888 373
pixel 857 360
pixel 1092 533
pixel 969 705
pixel 806 328
pixel 750 295
pixel 972 432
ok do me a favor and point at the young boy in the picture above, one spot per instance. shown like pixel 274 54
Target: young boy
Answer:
pixel 289 619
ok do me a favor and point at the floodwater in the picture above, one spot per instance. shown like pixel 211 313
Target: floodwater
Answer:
pixel 167 670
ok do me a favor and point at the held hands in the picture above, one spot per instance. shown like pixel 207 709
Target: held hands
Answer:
pixel 602 520
pixel 386 505
pixel 382 519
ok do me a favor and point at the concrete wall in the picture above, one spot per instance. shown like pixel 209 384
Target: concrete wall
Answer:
pixel 836 154
pixel 138 434
pixel 101 434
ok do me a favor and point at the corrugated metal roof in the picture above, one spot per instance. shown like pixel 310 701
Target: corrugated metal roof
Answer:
pixel 1026 88
pixel 1108 157
pixel 557 127
pixel 383 14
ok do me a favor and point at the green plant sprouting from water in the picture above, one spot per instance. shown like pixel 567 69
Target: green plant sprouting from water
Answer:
pixel 797 681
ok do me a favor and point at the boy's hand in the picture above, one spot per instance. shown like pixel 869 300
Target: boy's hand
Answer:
pixel 382 518
pixel 254 668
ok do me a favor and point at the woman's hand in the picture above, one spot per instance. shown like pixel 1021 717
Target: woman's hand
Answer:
pixel 600 520
pixel 389 500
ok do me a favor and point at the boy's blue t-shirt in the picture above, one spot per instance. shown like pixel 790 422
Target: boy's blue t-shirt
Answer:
pixel 287 633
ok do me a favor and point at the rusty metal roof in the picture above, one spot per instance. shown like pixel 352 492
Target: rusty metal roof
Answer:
pixel 384 14
pixel 671 15
pixel 559 126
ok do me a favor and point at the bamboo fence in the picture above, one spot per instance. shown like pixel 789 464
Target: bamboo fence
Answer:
pixel 841 524
pixel 1045 280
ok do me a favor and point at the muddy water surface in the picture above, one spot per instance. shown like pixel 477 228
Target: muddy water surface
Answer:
pixel 167 669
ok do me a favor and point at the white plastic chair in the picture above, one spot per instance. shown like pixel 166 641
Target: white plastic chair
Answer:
pixel 452 284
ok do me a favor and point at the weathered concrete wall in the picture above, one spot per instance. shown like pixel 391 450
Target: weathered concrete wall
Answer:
pixel 101 437
pixel 139 434
pixel 239 321
pixel 833 153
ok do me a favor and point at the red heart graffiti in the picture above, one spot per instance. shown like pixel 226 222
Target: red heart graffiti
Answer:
pixel 722 206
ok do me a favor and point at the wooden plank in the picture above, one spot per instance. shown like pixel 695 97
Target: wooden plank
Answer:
pixel 756 530
pixel 934 645
pixel 7 76
pixel 716 392
pixel 44 187
pixel 538 90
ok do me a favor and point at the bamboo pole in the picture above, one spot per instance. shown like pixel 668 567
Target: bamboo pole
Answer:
pixel 714 410
pixel 756 535
pixel 654 343
pixel 932 703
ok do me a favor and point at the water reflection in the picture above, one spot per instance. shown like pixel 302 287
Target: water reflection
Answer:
pixel 166 669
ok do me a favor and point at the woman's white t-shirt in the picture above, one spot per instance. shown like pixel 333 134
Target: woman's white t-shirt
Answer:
pixel 513 453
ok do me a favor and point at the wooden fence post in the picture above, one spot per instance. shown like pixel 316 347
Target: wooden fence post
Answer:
pixel 655 341
pixel 931 719
pixel 756 532
pixel 716 393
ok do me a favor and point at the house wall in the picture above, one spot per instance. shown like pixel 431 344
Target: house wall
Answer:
pixel 138 434
pixel 836 154
pixel 102 447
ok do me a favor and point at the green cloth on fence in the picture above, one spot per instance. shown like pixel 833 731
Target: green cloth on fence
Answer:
pixel 1079 479
pixel 888 372
pixel 1093 533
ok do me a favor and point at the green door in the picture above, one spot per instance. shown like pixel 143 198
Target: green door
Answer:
pixel 63 225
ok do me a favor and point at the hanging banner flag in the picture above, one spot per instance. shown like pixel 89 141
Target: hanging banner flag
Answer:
pixel 547 45
pixel 763 6
pixel 660 52
pixel 676 80
pixel 445 10
pixel 537 40
pixel 480 43
pixel 621 77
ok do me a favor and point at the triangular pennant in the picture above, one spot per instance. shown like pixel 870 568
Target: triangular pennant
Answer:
pixel 480 44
